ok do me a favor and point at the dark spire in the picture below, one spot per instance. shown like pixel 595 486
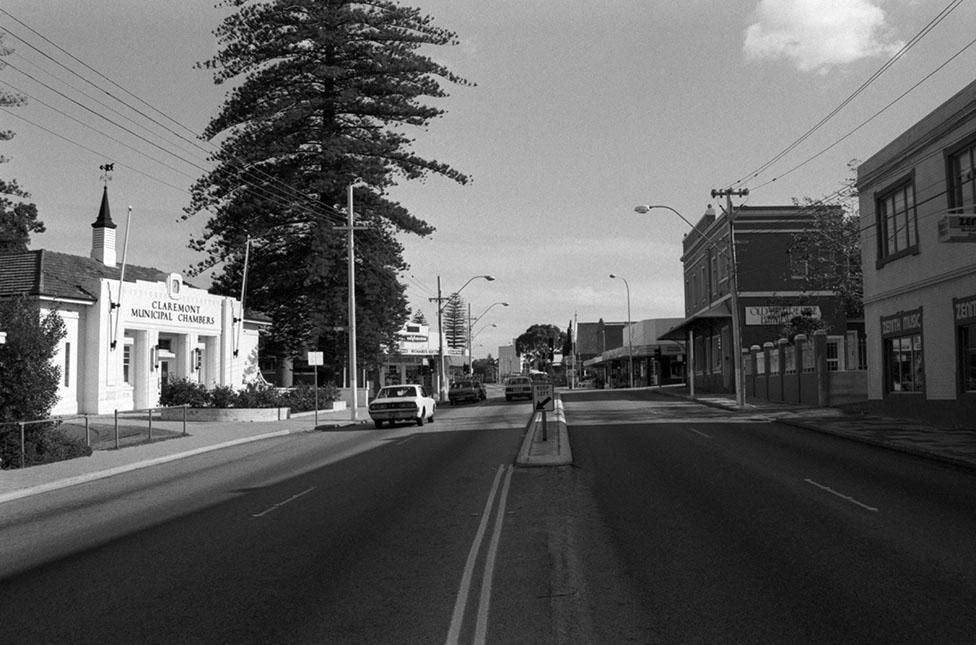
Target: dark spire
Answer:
pixel 104 215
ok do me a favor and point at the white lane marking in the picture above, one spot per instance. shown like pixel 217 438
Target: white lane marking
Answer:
pixel 481 627
pixel 462 598
pixel 846 498
pixel 699 432
pixel 280 504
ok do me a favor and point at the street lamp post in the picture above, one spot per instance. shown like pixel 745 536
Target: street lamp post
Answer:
pixel 471 323
pixel 441 372
pixel 733 289
pixel 630 333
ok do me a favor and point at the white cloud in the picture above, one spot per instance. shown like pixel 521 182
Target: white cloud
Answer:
pixel 819 34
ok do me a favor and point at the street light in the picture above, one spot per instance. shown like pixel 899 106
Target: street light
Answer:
pixel 472 323
pixel 733 289
pixel 630 333
pixel 442 384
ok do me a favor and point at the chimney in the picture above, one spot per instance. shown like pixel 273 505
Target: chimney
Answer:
pixel 103 234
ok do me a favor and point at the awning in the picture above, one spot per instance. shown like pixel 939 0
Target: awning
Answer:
pixel 718 310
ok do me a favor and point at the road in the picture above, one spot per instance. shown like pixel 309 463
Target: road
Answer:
pixel 759 532
pixel 678 522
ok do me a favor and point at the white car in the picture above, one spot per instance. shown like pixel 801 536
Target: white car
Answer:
pixel 402 403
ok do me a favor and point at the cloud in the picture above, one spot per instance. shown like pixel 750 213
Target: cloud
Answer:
pixel 819 34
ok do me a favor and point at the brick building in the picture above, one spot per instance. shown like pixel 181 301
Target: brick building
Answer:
pixel 770 288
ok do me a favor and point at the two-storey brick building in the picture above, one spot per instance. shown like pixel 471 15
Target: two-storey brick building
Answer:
pixel 770 287
pixel 918 222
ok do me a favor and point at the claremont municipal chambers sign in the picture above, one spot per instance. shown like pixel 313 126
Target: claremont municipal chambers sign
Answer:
pixel 170 304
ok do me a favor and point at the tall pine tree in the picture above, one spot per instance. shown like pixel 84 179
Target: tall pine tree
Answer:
pixel 326 94
pixel 18 219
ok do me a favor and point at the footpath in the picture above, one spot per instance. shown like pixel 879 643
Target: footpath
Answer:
pixel 956 446
pixel 542 446
pixel 169 444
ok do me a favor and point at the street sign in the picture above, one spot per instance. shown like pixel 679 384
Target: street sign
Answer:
pixel 543 397
pixel 315 358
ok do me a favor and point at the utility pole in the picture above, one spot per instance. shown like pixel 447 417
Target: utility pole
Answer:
pixel 351 228
pixel 440 341
pixel 728 193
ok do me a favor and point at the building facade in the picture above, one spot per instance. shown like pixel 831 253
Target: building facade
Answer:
pixel 918 223
pixel 131 329
pixel 656 360
pixel 770 288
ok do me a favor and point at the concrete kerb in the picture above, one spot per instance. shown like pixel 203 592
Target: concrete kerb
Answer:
pixel 555 450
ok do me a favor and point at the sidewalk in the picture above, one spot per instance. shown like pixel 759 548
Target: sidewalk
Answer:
pixel 169 444
pixel 912 436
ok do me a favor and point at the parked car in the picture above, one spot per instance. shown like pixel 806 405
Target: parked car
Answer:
pixel 518 387
pixel 468 390
pixel 402 403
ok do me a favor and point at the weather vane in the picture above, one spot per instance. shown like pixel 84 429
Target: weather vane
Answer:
pixel 107 169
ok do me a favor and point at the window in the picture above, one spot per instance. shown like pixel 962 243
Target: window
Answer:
pixel 967 345
pixel 903 362
pixel 897 225
pixel 67 364
pixel 126 362
pixel 962 179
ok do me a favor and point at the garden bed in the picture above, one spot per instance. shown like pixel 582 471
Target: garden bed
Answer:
pixel 225 414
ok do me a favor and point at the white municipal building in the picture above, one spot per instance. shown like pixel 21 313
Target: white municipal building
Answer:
pixel 130 329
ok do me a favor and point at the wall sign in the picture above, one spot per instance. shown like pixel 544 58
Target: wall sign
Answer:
pixel 779 315
pixel 902 324
pixel 964 310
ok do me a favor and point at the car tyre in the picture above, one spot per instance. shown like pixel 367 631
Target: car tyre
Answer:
pixel 378 423
pixel 420 419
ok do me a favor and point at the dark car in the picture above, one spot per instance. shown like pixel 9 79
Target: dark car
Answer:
pixel 462 391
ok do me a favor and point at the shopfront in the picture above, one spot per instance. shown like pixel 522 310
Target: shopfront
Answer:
pixel 904 365
pixel 964 316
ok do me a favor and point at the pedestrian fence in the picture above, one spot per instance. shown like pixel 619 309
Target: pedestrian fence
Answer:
pixel 101 432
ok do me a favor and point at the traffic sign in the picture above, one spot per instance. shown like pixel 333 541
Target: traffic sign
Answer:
pixel 543 397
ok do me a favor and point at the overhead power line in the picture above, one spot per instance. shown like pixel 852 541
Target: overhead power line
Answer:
pixel 948 9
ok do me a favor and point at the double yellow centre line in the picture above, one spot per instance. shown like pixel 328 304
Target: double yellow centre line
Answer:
pixel 467 579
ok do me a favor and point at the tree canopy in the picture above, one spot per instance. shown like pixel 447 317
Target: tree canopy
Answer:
pixel 18 219
pixel 829 252
pixel 538 343
pixel 326 93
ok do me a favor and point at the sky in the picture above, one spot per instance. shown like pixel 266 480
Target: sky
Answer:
pixel 578 111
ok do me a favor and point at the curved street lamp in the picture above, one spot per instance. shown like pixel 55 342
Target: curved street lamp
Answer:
pixel 733 291
pixel 472 323
pixel 630 332
pixel 441 372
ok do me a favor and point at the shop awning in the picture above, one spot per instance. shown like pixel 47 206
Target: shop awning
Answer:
pixel 680 332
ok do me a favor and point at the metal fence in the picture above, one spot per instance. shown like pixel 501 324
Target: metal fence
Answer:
pixel 107 433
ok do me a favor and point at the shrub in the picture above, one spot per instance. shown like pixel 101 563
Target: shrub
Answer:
pixel 258 396
pixel 44 443
pixel 224 396
pixel 185 392
pixel 302 397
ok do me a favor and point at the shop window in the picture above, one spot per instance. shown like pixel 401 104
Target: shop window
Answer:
pixel 967 345
pixel 962 179
pixel 903 364
pixel 897 223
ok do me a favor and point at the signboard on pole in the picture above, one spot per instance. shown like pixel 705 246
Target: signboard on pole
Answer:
pixel 543 397
pixel 315 358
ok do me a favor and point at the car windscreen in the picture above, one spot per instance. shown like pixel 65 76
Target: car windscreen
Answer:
pixel 396 392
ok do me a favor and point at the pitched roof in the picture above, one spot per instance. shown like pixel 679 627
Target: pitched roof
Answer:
pixel 59 275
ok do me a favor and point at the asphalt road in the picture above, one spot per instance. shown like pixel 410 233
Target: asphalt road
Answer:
pixel 279 541
pixel 677 523
pixel 759 532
